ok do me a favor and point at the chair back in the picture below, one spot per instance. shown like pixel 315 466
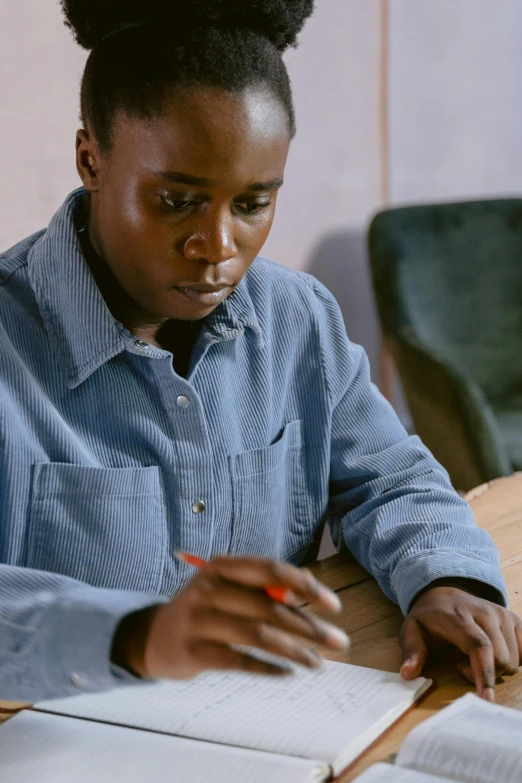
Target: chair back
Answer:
pixel 449 277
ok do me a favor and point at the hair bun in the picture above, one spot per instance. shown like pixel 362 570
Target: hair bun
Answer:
pixel 280 21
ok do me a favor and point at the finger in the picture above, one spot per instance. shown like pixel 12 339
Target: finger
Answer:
pixel 461 630
pixel 217 656
pixel 414 648
pixel 327 633
pixel 241 601
pixel 490 624
pixel 507 628
pixel 258 573
pixel 518 635
pixel 227 629
pixel 512 645
pixel 482 661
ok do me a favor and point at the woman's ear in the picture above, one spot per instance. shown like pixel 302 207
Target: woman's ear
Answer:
pixel 87 160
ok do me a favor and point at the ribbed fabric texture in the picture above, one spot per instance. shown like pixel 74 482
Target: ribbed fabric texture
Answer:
pixel 100 467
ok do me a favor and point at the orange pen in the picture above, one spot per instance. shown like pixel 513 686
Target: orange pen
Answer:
pixel 275 592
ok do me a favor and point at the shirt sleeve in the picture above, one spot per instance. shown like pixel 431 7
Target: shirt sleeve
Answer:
pixel 56 635
pixel 471 586
pixel 391 503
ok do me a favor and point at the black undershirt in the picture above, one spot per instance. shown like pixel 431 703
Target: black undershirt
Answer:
pixel 179 337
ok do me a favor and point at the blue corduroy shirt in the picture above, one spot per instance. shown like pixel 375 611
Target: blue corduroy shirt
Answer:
pixel 110 461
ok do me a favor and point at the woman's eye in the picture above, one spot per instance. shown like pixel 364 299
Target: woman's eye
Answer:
pixel 253 208
pixel 178 205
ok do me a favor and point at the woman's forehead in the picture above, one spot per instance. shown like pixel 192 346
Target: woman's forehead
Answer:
pixel 205 132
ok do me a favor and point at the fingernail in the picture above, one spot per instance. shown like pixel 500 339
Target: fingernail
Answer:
pixel 331 599
pixel 411 661
pixel 337 638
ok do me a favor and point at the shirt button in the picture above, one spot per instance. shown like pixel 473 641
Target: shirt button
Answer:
pixel 78 680
pixel 183 402
pixel 141 344
pixel 198 507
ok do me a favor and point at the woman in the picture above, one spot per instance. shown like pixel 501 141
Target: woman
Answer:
pixel 164 388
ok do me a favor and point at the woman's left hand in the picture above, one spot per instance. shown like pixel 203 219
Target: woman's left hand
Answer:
pixel 489 636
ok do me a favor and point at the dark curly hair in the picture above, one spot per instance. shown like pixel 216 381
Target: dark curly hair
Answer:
pixel 142 49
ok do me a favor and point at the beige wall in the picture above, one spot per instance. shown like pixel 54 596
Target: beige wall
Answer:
pixel 333 175
pixel 40 67
pixel 455 99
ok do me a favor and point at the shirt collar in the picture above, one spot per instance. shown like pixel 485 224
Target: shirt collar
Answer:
pixel 235 314
pixel 82 331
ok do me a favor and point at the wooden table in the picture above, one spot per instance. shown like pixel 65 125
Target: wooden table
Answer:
pixel 373 621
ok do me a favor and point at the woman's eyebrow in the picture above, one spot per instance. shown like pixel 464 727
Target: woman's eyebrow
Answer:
pixel 273 184
pixel 183 179
pixel 180 178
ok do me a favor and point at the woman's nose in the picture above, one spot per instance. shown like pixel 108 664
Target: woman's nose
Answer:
pixel 212 240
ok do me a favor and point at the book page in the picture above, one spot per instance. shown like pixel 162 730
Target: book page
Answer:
pixel 387 773
pixel 472 741
pixel 52 749
pixel 311 714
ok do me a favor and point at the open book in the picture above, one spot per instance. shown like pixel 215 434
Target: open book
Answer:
pixel 472 741
pixel 219 727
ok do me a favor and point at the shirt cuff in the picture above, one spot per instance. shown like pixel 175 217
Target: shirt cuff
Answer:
pixel 472 586
pixel 414 574
pixel 79 632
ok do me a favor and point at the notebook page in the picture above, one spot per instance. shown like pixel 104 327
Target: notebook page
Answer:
pixel 386 773
pixel 40 748
pixel 312 714
pixel 472 740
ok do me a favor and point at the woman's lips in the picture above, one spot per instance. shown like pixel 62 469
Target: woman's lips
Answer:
pixel 204 295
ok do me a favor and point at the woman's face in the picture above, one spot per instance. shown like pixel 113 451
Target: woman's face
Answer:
pixel 182 203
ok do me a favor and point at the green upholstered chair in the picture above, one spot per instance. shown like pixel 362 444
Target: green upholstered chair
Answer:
pixel 448 282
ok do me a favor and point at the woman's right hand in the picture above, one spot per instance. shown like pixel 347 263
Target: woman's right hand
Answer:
pixel 223 606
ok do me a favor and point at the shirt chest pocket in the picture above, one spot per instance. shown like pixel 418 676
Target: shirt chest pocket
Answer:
pixel 271 516
pixel 104 526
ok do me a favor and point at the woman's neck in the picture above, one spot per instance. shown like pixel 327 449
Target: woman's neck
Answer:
pixel 124 309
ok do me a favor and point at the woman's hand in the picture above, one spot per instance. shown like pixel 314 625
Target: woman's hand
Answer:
pixel 488 636
pixel 225 605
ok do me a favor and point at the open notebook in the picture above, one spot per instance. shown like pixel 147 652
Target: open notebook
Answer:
pixel 219 727
pixel 472 741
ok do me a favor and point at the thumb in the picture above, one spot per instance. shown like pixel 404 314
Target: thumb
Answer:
pixel 414 649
